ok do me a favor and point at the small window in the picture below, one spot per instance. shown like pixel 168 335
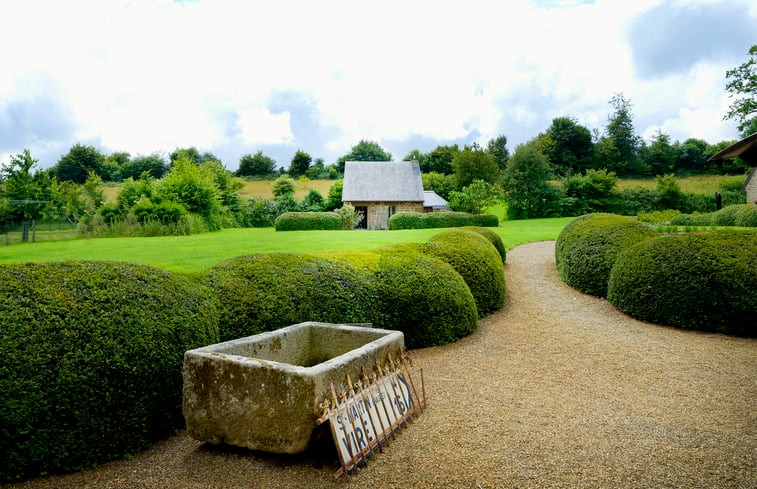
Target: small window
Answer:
pixel 392 211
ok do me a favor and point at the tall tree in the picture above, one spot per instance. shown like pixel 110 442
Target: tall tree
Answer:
pixel 692 156
pixel 300 164
pixel 24 189
pixel 526 182
pixel 257 165
pixel 618 150
pixel 473 163
pixel 568 146
pixel 364 151
pixel 742 85
pixel 152 164
pixel 193 155
pixel 76 165
pixel 660 156
pixel 497 147
pixel 439 160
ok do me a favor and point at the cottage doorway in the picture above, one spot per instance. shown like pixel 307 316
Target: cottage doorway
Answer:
pixel 362 210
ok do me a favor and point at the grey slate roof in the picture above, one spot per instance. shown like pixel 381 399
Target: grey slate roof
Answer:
pixel 382 181
pixel 432 199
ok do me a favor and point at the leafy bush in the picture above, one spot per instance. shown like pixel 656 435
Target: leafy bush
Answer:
pixel 631 201
pixel 349 218
pixel 265 292
pixel 495 239
pixel 303 221
pixel 92 356
pixel 424 298
pixel 587 248
pixel 477 261
pixel 746 215
pixel 425 220
pixel 699 280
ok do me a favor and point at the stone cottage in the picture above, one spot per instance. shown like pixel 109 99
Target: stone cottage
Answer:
pixel 379 189
pixel 746 149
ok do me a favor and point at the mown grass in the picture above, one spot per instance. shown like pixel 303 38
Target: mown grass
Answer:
pixel 189 254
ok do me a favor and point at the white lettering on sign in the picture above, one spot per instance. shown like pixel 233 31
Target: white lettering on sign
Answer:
pixel 369 416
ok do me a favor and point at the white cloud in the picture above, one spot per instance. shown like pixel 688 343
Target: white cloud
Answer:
pixel 152 75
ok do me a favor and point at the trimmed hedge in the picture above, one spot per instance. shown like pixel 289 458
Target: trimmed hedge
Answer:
pixel 306 221
pixel 425 220
pixel 424 298
pixel 704 281
pixel 266 292
pixel 495 239
pixel 92 356
pixel 477 261
pixel 588 246
pixel 744 215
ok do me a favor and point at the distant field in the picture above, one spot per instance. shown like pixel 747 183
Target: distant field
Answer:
pixel 262 188
pixel 698 184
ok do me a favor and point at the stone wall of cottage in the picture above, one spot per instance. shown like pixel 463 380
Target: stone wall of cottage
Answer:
pixel 378 213
pixel 751 189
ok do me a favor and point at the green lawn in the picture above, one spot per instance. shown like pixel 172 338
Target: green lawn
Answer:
pixel 188 254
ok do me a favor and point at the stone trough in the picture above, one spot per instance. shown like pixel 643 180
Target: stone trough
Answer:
pixel 259 392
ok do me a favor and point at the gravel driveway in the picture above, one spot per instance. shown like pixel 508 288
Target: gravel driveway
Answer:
pixel 558 389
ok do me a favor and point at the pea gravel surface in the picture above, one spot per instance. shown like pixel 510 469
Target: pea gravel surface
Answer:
pixel 557 389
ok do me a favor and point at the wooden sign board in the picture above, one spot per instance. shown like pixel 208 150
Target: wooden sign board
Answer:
pixel 369 413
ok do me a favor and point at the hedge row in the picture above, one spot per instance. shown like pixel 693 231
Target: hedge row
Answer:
pixel 306 221
pixel 744 215
pixel 92 351
pixel 587 248
pixel 704 281
pixel 457 276
pixel 92 355
pixel 424 220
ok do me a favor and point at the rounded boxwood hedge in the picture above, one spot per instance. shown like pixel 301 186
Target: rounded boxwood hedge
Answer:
pixel 477 261
pixel 493 237
pixel 92 356
pixel 588 246
pixel 425 220
pixel 265 292
pixel 424 298
pixel 703 281
pixel 306 221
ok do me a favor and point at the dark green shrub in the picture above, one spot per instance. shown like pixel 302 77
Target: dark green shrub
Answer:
pixel 424 298
pixel 493 237
pixel 265 292
pixel 109 212
pixel 587 248
pixel 167 212
pixel 304 221
pixel 477 261
pixel 701 281
pixel 426 220
pixel 725 216
pixel 92 356
pixel 631 201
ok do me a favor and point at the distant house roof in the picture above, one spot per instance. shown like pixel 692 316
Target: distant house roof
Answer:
pixel 433 200
pixel 382 181
pixel 746 149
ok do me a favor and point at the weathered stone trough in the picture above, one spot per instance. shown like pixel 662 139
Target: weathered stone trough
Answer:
pixel 258 392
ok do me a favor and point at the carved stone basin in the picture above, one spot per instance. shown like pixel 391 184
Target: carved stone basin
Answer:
pixel 258 392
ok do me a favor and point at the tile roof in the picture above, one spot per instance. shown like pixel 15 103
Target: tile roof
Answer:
pixel 382 181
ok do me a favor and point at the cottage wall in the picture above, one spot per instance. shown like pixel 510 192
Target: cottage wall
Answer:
pixel 751 187
pixel 378 213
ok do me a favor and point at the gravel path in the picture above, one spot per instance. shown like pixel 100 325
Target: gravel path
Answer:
pixel 558 389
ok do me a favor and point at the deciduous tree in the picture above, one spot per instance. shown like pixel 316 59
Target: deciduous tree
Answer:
pixel 76 165
pixel 742 85
pixel 300 164
pixel 256 165
pixel 364 151
pixel 473 163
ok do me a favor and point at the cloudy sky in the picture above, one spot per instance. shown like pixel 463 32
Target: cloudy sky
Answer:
pixel 235 77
